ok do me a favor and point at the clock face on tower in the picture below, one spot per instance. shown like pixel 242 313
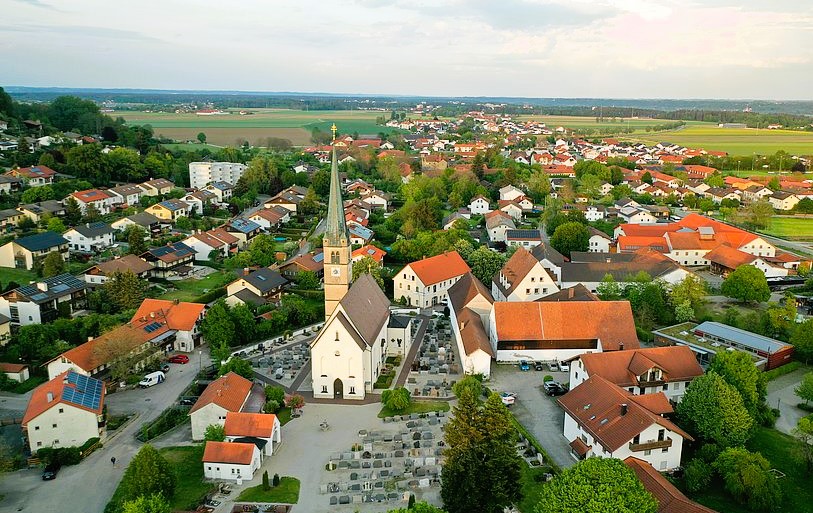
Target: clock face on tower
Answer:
pixel 335 272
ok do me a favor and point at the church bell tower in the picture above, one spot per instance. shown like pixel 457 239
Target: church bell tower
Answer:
pixel 336 242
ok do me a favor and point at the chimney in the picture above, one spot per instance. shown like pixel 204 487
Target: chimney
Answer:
pixel 621 346
pixel 41 285
pixel 90 338
pixel 623 409
pixel 176 301
pixel 152 315
pixel 50 396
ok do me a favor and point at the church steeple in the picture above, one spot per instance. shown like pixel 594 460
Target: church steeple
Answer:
pixel 336 228
pixel 338 264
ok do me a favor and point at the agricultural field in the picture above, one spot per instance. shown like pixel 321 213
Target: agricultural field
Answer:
pixel 791 228
pixel 735 141
pixel 263 123
pixel 583 122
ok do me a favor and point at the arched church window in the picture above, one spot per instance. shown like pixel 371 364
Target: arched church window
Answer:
pixel 334 257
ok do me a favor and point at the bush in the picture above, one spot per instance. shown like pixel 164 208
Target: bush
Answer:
pixel 781 371
pixel 547 378
pixel 709 453
pixel 266 484
pixel 273 393
pixel 276 480
pixel 211 296
pixel 698 475
pixel 272 406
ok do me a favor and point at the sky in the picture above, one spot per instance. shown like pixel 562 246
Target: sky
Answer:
pixel 747 49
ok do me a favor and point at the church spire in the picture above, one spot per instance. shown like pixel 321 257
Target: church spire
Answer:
pixel 336 228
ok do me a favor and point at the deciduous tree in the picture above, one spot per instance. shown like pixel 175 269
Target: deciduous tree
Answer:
pixel 237 366
pixel 805 388
pixel 366 265
pixel 739 371
pixel 125 290
pixel 802 340
pixel 148 473
pixel 214 433
pixel 154 503
pixel 136 240
pixel 746 283
pixel 397 399
pixel 570 237
pixel 714 410
pixel 485 263
pixel 747 477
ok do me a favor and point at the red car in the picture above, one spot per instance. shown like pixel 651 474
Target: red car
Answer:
pixel 178 358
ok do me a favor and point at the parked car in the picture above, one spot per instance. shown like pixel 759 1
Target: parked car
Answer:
pixel 178 358
pixel 564 366
pixel 538 366
pixel 553 366
pixel 523 365
pixel 165 368
pixel 187 401
pixel 50 471
pixel 151 379
pixel 554 388
pixel 508 398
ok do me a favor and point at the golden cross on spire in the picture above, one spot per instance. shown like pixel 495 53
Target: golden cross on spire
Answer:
pixel 333 129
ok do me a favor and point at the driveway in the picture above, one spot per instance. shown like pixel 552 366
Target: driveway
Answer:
pixel 540 414
pixel 88 487
pixel 782 396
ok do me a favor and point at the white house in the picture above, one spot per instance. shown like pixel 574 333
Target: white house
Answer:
pixel 523 278
pixel 261 427
pixel 18 372
pixel 227 461
pixel 45 300
pixel 101 200
pixel 350 350
pixel 479 205
pixel 599 241
pixel 509 192
pixel 202 174
pixel 782 200
pixel 228 393
pixel 128 194
pixel 64 412
pixel 595 213
pixel 647 370
pixel 424 283
pixel 90 237
pixel 497 224
pixel 602 419
pixel 469 309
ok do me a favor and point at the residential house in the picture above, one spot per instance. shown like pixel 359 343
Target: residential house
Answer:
pixel 221 191
pixel 509 192
pixel 126 195
pixel 424 283
pixel 176 258
pixel 479 205
pixel 599 241
pixel 39 210
pixel 157 187
pixel 470 305
pixel 271 218
pixel 202 174
pixel 5 330
pixel 359 234
pixel 100 200
pixel 589 269
pixel 66 411
pixel 378 199
pixel 34 176
pixel 604 420
pixel 595 213
pixel 198 200
pixel 10 218
pixel 170 210
pixel 257 287
pixel 10 184
pixel 18 372
pixel 181 319
pixel 226 461
pixel 646 370
pixel 449 221
pixel 524 238
pixel 244 230
pixel 45 300
pixel 543 331
pixel 523 278
pixel 24 252
pixel 512 208
pixel 216 239
pixel 99 273
pixel 782 200
pixel 377 254
pixel 725 259
pixel 756 193
pixel 497 224
pixel 313 262
pixel 264 428
pixel 228 393
pixel 90 237
pixel 289 198
pixel 150 223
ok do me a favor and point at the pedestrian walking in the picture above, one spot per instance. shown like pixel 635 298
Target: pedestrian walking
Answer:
pixel 113 461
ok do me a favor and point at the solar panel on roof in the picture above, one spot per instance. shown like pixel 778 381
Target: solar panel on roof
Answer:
pixel 39 297
pixel 149 328
pixel 60 288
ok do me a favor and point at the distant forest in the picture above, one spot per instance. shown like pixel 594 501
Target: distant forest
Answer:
pixel 791 114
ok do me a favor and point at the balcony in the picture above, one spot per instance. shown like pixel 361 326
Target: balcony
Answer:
pixel 650 445
pixel 651 383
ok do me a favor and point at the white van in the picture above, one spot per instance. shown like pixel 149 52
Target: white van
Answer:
pixel 151 379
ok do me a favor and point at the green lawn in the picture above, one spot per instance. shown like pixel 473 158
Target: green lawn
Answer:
pixel 189 289
pixel 778 448
pixel 792 228
pixel 21 276
pixel 735 141
pixel 191 147
pixel 287 492
pixel 190 487
pixel 284 415
pixel 532 484
pixel 416 407
pixel 29 384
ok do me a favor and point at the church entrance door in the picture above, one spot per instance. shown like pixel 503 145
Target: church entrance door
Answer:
pixel 338 388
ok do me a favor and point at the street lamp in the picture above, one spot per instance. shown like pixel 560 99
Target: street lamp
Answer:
pixel 200 361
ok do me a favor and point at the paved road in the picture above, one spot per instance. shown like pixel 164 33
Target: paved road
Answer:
pixel 88 486
pixel 782 396
pixel 413 351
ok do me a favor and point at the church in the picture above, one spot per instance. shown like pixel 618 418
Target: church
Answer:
pixel 349 352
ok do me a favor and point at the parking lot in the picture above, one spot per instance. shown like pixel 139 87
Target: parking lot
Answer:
pixel 540 414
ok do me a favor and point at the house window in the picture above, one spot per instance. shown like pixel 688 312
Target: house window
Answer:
pixel 666 386
pixel 527 291
pixel 647 452
pixel 665 449
pixel 637 439
pixel 324 389
pixel 352 390
pixel 61 410
pixel 661 435
pixel 536 290
pixel 53 426
pixel 663 465
pixel 36 428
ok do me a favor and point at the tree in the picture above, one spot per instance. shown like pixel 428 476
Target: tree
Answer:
pixel 417 507
pixel 202 138
pixel 153 503
pixel 803 432
pixel 739 371
pixel 183 223
pixel 310 203
pixel 609 289
pixel 366 265
pixel 485 263
pixel 266 482
pixel 296 401
pixel 73 212
pixel 691 289
pixel 237 366
pixel 759 213
pixel 802 340
pixel 36 194
pixel 714 410
pixel 596 485
pixel 148 473
pixel 91 214
pixel 88 163
pixel 746 283
pixel 555 221
pixel 125 289
pixel 214 433
pixel 53 264
pixel 805 388
pixel 273 393
pixel 570 237
pixel 136 242
pixel 217 327
pixel 698 475
pixel 125 164
pixel 746 475
pixel 472 383
pixel 56 225
pixel 647 178
pixel 482 470
pixel 307 280
pixel 397 399
pixel 478 165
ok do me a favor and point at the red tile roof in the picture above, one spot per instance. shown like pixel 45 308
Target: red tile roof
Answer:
pixel 39 403
pixel 439 268
pixel 678 363
pixel 179 316
pixel 670 499
pixel 229 392
pixel 90 195
pixel 609 321
pixel 729 257
pixel 229 452
pixel 260 425
pixel 373 252
pixel 12 367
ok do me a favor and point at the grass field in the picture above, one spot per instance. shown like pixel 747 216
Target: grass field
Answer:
pixel 584 122
pixel 791 228
pixel 416 407
pixel 190 486
pixel 287 492
pixel 735 141
pixel 284 123
pixel 189 289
